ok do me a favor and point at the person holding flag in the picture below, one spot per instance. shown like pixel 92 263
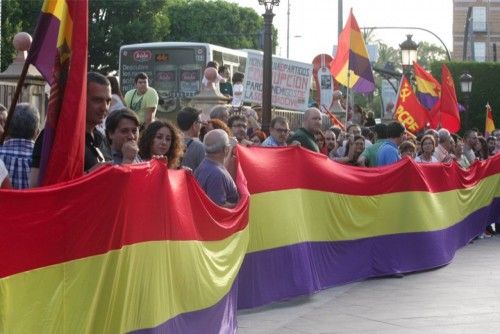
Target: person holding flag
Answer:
pixel 59 51
pixel 98 102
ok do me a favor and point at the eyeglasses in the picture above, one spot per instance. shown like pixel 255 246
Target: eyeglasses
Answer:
pixel 282 130
pixel 239 125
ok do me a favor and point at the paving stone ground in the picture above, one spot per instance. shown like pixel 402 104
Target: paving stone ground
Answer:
pixel 462 297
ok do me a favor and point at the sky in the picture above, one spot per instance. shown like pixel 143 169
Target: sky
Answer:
pixel 313 23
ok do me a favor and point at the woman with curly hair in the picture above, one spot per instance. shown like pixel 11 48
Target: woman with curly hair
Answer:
pixel 162 138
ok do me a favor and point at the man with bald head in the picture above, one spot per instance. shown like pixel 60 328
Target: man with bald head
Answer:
pixel 212 175
pixel 305 134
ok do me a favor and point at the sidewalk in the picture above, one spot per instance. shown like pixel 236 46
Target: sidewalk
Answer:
pixel 462 297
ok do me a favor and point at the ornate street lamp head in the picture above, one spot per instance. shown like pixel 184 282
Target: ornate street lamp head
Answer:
pixel 408 51
pixel 466 83
pixel 269 4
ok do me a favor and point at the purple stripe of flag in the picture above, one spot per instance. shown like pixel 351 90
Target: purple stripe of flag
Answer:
pixel 361 66
pixel 219 318
pixel 290 271
pixel 427 100
pixel 43 50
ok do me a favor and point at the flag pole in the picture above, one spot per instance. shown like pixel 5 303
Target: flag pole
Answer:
pixel 347 97
pixel 13 103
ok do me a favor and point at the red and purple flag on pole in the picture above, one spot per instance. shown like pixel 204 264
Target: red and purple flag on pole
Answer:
pixel 59 52
pixel 428 88
pixel 351 66
pixel 445 113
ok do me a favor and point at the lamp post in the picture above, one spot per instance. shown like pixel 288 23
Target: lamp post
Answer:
pixel 466 88
pixel 267 72
pixel 408 54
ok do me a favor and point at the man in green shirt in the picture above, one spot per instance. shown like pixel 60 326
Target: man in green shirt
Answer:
pixel 305 134
pixel 143 99
pixel 369 156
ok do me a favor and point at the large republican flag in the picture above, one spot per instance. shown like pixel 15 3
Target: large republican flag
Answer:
pixel 161 257
pixel 428 88
pixel 445 113
pixel 132 249
pixel 351 66
pixel 489 127
pixel 408 110
pixel 59 52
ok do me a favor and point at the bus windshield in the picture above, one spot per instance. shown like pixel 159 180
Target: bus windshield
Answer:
pixel 175 72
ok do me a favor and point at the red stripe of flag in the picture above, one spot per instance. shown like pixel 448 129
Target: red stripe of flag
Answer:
pixel 64 136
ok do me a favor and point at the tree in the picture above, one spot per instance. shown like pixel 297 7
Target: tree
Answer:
pixel 17 16
pixel 216 22
pixel 430 53
pixel 113 23
pixel 387 54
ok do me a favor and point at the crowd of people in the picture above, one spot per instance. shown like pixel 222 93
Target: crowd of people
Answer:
pixel 123 130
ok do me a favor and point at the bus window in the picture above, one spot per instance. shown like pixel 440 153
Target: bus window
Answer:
pixel 217 56
pixel 243 64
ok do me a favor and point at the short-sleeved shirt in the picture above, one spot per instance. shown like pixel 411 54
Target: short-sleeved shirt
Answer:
pixel 139 103
pixel 370 153
pixel 271 142
pixel 216 182
pixel 441 153
pixel 16 154
pixel 469 155
pixel 420 159
pixel 305 138
pixel 195 153
pixel 388 154
pixel 226 88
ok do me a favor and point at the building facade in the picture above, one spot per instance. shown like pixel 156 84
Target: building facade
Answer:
pixel 483 37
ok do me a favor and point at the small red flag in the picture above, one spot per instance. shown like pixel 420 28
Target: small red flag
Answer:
pixel 408 110
pixel 490 124
pixel 445 114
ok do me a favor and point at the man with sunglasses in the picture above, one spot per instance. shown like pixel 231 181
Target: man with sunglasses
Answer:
pixel 190 123
pixel 278 132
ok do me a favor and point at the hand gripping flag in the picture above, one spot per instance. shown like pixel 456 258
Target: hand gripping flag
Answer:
pixel 408 110
pixel 490 125
pixel 445 113
pixel 59 52
pixel 351 66
pixel 428 88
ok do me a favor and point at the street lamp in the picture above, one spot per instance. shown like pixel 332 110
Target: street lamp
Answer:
pixel 466 88
pixel 408 54
pixel 267 73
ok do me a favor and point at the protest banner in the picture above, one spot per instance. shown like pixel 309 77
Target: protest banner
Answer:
pixel 290 84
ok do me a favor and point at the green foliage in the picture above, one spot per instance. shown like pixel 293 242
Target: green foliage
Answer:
pixel 485 88
pixel 113 23
pixel 216 22
pixel 429 53
pixel 17 16
pixel 387 54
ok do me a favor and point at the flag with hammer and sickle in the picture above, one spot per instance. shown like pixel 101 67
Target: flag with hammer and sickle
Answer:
pixel 408 110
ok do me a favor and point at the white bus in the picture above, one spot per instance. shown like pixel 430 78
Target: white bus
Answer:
pixel 175 69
